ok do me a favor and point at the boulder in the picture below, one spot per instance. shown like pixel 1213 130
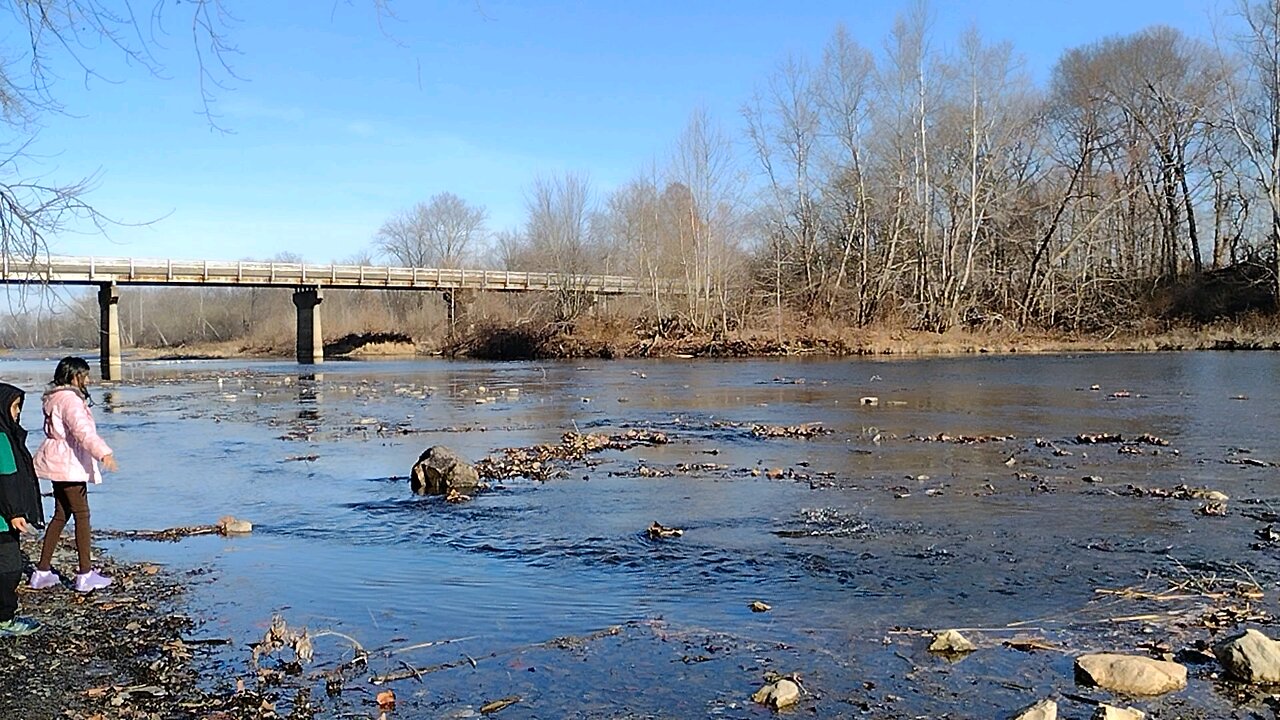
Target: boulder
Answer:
pixel 440 470
pixel 1250 656
pixel 1044 710
pixel 951 642
pixel 778 695
pixel 230 525
pixel 1130 674
pixel 1109 712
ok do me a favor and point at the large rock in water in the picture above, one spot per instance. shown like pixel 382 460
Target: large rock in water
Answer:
pixel 440 470
pixel 1250 656
pixel 1130 674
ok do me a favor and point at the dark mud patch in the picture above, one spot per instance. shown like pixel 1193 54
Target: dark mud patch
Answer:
pixel 375 343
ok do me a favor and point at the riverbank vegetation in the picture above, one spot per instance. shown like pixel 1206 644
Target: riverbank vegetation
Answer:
pixel 930 194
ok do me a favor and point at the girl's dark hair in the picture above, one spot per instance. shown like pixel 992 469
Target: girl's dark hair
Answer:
pixel 69 368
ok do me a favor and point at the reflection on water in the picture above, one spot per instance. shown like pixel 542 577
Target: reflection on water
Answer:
pixel 871 528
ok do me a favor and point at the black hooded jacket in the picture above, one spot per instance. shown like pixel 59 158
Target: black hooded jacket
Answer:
pixel 19 489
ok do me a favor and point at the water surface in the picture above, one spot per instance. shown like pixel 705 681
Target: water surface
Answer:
pixel 870 530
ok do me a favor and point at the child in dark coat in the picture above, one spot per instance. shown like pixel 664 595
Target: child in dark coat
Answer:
pixel 20 508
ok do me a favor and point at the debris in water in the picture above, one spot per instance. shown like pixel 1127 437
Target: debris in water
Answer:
pixel 500 704
pixel 658 531
pixel 806 430
pixel 1097 438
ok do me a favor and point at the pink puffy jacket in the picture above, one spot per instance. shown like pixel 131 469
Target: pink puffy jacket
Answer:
pixel 71 448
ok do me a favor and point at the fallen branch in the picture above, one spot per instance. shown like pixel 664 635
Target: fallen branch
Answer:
pixel 562 643
pixel 172 534
pixel 432 643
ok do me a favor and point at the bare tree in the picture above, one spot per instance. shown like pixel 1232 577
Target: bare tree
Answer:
pixel 558 233
pixel 704 166
pixel 441 232
pixel 35 208
pixel 845 94
pixel 1254 110
pixel 783 130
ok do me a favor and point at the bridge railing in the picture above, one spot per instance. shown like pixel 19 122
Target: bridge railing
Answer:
pixel 136 271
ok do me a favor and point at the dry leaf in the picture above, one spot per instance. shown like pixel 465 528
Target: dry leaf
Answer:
pixel 386 699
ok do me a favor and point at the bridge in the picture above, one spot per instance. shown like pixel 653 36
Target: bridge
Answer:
pixel 308 282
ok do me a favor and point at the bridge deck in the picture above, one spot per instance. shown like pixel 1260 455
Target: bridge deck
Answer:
pixel 65 270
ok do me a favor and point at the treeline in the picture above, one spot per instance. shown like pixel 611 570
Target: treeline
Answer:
pixel 913 187
pixel 931 189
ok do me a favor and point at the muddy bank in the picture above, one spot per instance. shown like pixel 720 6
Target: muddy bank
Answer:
pixel 609 341
pixel 614 341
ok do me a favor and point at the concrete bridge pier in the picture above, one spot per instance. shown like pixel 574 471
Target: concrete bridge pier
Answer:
pixel 310 340
pixel 109 330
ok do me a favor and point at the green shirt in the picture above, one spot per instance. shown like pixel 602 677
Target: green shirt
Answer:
pixel 7 466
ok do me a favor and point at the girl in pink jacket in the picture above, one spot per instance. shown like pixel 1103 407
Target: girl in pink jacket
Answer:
pixel 69 457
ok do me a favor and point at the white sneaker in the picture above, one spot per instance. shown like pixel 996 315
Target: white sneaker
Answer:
pixel 90 581
pixel 42 579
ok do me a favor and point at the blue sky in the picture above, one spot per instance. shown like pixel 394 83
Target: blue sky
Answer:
pixel 341 121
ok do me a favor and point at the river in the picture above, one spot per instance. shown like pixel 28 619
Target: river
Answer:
pixel 869 533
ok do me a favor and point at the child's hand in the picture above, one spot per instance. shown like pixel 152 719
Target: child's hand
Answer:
pixel 21 525
pixel 109 462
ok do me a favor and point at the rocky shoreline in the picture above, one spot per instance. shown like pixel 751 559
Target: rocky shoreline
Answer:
pixel 129 652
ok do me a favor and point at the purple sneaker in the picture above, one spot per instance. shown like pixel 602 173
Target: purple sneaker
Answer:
pixel 42 579
pixel 90 581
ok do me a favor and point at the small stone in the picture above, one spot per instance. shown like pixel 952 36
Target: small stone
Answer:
pixel 951 642
pixel 778 695
pixel 1250 657
pixel 1130 674
pixel 1213 508
pixel 1110 712
pixel 1207 494
pixel 1043 710
pixel 229 525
